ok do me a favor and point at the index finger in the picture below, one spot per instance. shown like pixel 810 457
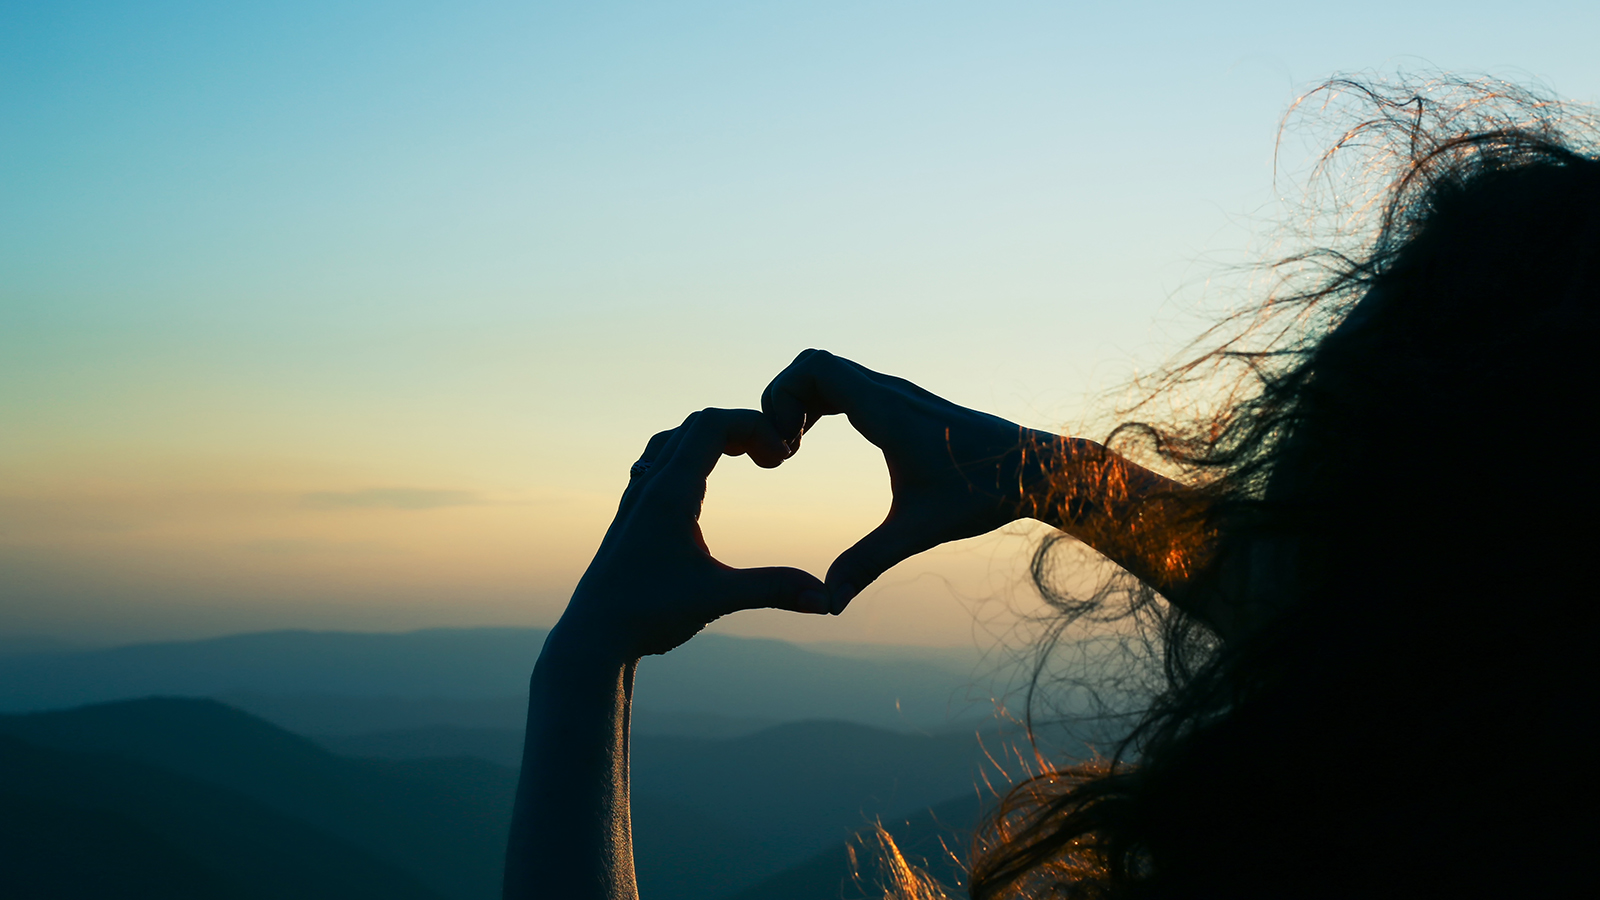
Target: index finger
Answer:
pixel 816 384
pixel 707 436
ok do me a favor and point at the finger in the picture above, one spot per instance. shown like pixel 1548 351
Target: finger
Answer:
pixel 782 404
pixel 653 451
pixel 759 441
pixel 820 384
pixel 878 552
pixel 774 587
pixel 710 434
pixel 704 438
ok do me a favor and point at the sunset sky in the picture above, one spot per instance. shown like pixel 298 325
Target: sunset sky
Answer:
pixel 354 315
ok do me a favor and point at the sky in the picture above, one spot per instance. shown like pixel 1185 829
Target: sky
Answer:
pixel 354 315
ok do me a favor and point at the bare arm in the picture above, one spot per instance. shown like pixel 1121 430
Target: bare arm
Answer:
pixel 1140 520
pixel 652 585
pixel 571 835
pixel 957 473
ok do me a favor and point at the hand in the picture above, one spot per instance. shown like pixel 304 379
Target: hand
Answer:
pixel 654 584
pixel 954 472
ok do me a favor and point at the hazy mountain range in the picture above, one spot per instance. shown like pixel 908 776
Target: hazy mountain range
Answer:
pixel 197 799
pixel 762 761
pixel 350 682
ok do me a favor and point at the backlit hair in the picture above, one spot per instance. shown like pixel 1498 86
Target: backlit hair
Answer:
pixel 1399 454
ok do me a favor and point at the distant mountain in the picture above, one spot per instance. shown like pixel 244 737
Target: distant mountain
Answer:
pixel 476 677
pixel 715 816
pixel 501 746
pixel 366 719
pixel 200 783
pixel 34 644
pixel 498 745
pixel 442 822
pixel 346 716
pixel 458 663
pixel 58 850
pixel 798 788
pixel 75 824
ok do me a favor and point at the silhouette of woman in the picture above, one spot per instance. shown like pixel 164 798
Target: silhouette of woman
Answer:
pixel 1368 572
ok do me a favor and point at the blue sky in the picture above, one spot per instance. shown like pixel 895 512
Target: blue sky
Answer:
pixel 253 255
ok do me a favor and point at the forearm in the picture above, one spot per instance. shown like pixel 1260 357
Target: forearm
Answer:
pixel 1140 520
pixel 652 585
pixel 571 835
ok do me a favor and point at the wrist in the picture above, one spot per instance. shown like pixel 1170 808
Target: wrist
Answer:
pixel 576 645
pixel 1032 474
pixel 1042 473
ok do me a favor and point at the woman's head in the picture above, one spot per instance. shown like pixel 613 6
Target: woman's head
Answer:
pixel 1429 424
pixel 1408 456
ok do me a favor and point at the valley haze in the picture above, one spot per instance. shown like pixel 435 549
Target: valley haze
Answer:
pixel 383 764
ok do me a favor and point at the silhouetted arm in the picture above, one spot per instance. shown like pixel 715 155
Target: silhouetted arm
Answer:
pixel 571 834
pixel 957 473
pixel 652 585
pixel 1140 520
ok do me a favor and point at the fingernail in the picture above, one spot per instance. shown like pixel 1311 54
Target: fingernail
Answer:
pixel 815 600
pixel 842 595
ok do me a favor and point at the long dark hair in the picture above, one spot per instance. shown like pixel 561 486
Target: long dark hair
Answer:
pixel 1398 485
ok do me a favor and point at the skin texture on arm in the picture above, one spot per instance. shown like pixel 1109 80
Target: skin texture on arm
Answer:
pixel 571 834
pixel 652 585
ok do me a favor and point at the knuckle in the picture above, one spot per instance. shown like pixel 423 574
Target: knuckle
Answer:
pixel 712 417
pixel 811 359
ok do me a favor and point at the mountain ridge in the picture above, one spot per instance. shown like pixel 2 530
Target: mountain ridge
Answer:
pixel 712 816
pixel 714 675
pixel 101 802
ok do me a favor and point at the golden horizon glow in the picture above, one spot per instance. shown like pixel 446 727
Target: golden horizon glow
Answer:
pixel 360 324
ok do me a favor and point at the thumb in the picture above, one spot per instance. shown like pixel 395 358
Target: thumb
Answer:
pixel 774 587
pixel 870 557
